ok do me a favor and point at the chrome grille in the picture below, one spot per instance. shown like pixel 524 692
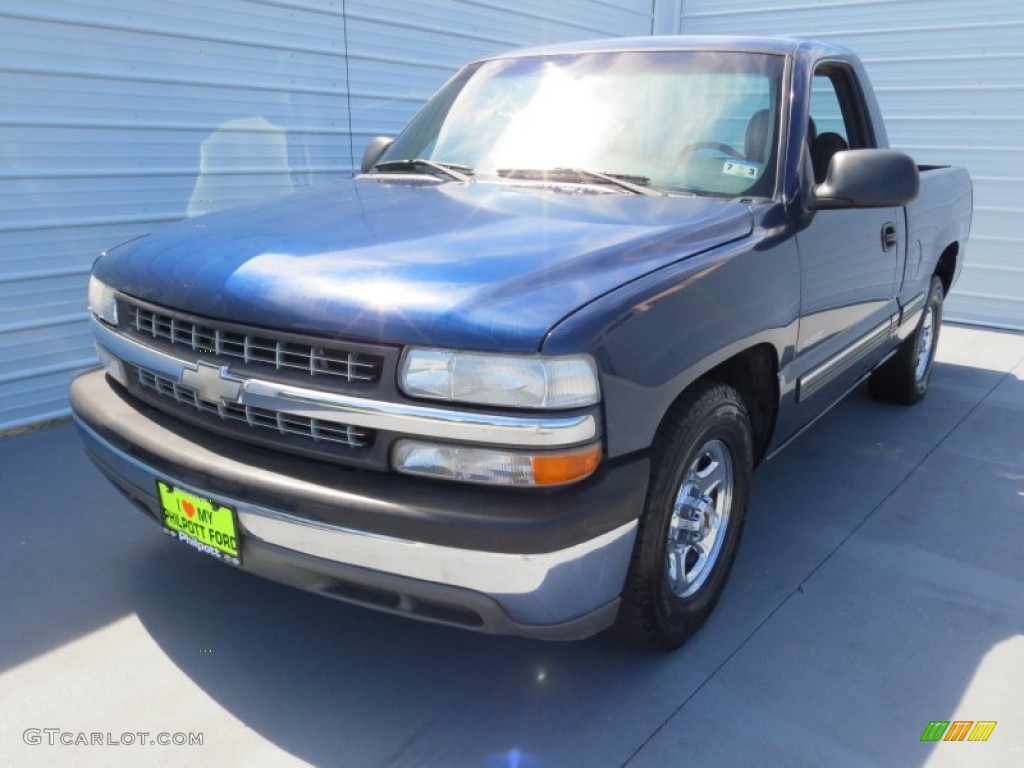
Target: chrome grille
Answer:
pixel 316 430
pixel 324 359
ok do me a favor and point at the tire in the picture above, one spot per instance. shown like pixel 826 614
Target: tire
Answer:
pixel 904 377
pixel 702 462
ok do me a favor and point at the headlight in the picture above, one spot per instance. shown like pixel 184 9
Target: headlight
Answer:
pixel 470 464
pixel 102 302
pixel 517 381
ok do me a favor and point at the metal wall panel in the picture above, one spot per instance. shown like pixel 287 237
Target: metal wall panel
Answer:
pixel 401 52
pixel 950 79
pixel 117 116
pixel 120 115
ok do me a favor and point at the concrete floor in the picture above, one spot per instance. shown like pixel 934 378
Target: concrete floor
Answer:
pixel 880 585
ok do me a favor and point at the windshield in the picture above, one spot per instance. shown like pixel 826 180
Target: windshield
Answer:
pixel 696 122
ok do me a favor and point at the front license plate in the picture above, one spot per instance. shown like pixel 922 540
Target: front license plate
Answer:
pixel 203 524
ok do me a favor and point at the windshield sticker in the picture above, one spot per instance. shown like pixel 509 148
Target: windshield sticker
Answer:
pixel 744 168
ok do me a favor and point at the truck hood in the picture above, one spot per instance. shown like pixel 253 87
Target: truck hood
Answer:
pixel 485 266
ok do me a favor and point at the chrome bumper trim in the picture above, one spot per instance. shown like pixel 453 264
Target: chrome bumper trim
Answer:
pixel 535 589
pixel 493 573
pixel 408 419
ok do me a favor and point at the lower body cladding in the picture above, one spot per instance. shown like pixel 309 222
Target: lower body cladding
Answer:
pixel 548 565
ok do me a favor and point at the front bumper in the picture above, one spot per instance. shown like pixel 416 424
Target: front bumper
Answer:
pixel 538 564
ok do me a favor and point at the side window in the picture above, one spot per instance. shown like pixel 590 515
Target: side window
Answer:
pixel 837 117
pixel 826 112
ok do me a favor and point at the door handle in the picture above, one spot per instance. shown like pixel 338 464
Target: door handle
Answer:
pixel 889 236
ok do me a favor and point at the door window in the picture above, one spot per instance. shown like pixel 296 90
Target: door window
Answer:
pixel 836 115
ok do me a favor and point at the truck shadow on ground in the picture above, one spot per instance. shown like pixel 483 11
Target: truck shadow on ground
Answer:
pixel 847 604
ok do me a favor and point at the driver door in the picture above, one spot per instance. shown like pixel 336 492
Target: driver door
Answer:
pixel 850 260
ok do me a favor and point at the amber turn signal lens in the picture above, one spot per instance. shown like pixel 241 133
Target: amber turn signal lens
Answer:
pixel 473 464
pixel 566 468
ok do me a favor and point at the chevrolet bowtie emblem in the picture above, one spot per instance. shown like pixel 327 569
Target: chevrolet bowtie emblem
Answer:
pixel 212 384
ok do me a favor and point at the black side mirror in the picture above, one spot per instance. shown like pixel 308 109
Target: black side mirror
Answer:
pixel 376 148
pixel 867 178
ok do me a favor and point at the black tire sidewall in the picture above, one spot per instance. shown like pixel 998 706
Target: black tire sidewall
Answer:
pixel 717 416
pixel 936 295
pixel 896 380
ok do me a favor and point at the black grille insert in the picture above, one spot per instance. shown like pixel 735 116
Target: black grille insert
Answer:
pixel 316 430
pixel 257 347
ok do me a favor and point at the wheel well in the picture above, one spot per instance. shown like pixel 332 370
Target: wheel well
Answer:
pixel 946 268
pixel 752 373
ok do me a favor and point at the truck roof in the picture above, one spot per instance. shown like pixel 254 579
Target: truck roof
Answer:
pixel 749 44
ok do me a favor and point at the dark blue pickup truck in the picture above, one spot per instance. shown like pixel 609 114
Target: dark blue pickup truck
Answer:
pixel 515 376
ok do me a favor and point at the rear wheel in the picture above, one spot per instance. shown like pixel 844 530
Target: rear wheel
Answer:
pixel 904 378
pixel 694 514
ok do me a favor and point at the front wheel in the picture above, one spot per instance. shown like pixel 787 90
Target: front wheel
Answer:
pixel 904 377
pixel 696 505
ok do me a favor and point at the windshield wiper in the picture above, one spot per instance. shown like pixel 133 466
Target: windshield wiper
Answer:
pixel 454 171
pixel 635 184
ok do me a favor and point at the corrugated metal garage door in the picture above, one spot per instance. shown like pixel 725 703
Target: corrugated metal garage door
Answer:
pixel 119 115
pixel 400 52
pixel 950 79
